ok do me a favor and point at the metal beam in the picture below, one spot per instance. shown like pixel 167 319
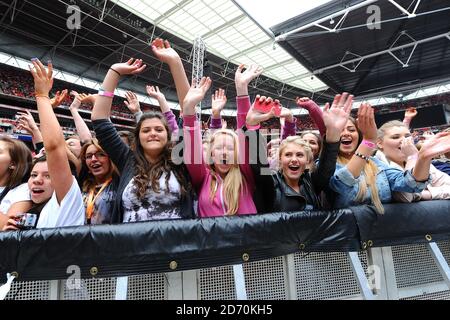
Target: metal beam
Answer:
pixel 376 54
pixel 99 63
pixel 239 282
pixel 244 52
pixel 361 279
pixel 280 64
pixel 375 61
pixel 171 11
pixel 12 6
pixel 284 36
pixel 409 14
pixel 440 261
pixel 223 26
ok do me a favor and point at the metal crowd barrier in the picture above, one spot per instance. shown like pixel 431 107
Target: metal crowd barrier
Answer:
pixel 357 262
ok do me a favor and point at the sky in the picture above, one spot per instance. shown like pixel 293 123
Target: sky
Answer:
pixel 271 12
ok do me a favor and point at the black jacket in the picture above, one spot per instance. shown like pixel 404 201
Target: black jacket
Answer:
pixel 272 194
pixel 123 157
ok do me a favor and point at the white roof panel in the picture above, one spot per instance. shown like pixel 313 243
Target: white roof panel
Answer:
pixel 227 32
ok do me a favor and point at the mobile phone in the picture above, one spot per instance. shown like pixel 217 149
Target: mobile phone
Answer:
pixel 26 221
pixel 265 107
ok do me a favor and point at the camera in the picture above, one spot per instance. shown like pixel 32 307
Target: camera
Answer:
pixel 26 221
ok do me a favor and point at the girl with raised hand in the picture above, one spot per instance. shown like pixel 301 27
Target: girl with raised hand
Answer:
pixel 52 186
pixel 397 149
pixel 293 186
pixel 363 179
pixel 224 186
pixel 151 186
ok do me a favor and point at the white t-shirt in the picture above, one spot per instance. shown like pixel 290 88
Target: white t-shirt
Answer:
pixel 18 194
pixel 69 213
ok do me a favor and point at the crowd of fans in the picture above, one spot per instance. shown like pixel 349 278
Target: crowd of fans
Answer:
pixel 110 176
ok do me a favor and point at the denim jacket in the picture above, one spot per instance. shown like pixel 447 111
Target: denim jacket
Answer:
pixel 388 179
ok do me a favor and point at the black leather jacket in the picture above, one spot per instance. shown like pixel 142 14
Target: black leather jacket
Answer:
pixel 272 194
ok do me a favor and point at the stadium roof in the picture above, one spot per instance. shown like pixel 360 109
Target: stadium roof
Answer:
pixel 345 55
pixel 111 33
pixel 338 42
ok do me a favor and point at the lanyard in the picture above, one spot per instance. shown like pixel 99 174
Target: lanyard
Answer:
pixel 91 199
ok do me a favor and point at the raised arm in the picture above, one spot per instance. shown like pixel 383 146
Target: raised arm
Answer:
pixel 218 102
pixel 410 114
pixel 155 93
pixel 241 80
pixel 335 119
pixel 55 146
pixel 102 106
pixel 368 128
pixel 132 103
pixel 314 112
pixel 193 152
pixel 27 123
pixel 288 126
pixel 439 144
pixel 165 53
pixel 82 129
pixel 59 97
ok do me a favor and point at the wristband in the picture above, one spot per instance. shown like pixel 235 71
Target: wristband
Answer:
pixel 104 93
pixel 369 144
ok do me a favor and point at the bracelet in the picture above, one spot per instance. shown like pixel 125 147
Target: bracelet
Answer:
pixel 104 93
pixel 369 144
pixel 116 71
pixel 41 95
pixel 362 156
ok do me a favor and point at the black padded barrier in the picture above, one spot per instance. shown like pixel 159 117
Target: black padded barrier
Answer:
pixel 165 246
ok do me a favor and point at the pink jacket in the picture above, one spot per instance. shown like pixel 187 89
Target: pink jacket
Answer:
pixel 201 175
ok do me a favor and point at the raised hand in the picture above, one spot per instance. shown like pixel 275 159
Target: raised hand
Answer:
pixel 306 103
pixel 410 113
pixel 132 66
pixel 43 79
pixel 408 148
pixel 336 116
pixel 366 122
pixel 195 95
pixel 254 117
pixel 286 114
pixel 243 78
pixel 76 103
pixel 224 124
pixel 218 102
pixel 132 102
pixel 436 145
pixel 88 98
pixel 163 51
pixel 58 99
pixel 155 93
pixel 26 122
